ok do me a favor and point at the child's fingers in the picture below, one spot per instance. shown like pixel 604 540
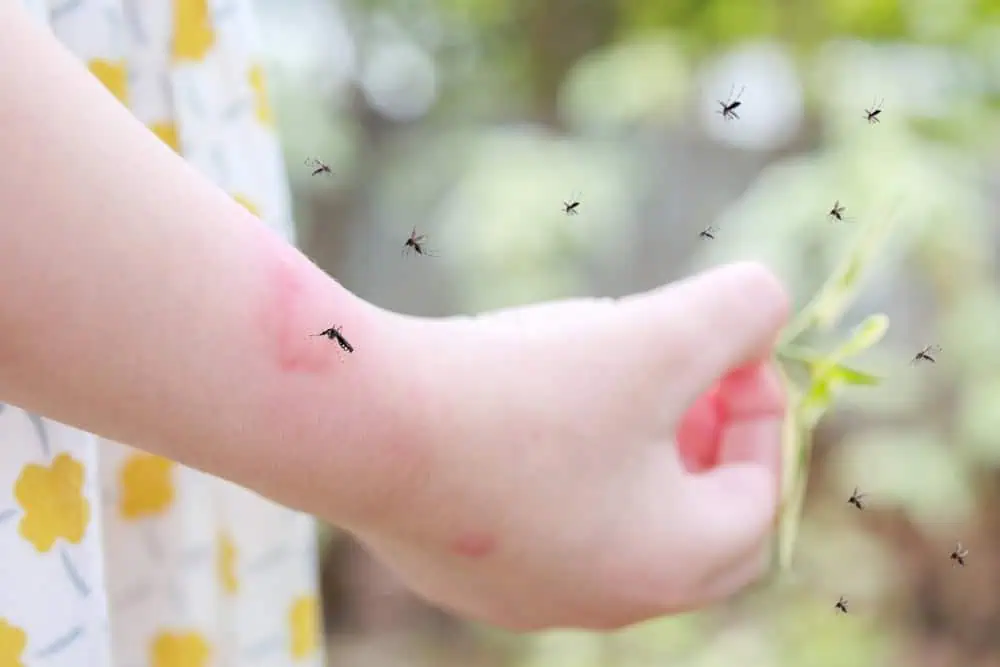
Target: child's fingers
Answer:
pixel 709 324
pixel 729 510
pixel 699 432
pixel 729 582
pixel 751 392
pixel 751 405
pixel 746 393
pixel 756 442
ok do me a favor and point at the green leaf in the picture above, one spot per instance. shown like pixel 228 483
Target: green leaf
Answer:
pixel 816 402
pixel 811 359
pixel 800 354
pixel 805 411
pixel 826 374
pixel 825 388
pixel 865 335
pixel 850 376
pixel 868 333
pixel 840 288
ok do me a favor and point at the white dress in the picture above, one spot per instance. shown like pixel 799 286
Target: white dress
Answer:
pixel 110 557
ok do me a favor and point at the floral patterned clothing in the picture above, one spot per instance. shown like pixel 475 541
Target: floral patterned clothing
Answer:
pixel 111 557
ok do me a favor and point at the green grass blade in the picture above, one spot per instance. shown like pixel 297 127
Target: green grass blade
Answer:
pixel 826 375
pixel 838 291
pixel 795 461
pixel 865 335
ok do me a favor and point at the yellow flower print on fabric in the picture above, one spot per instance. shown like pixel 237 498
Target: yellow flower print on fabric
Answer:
pixel 167 132
pixel 262 105
pixel 226 565
pixel 303 622
pixel 53 502
pixel 194 35
pixel 12 643
pixel 146 486
pixel 188 649
pixel 245 202
pixel 113 74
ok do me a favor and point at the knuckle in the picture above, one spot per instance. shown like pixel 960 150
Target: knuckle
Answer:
pixel 763 285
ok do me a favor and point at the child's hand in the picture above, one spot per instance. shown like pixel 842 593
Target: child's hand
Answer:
pixel 595 464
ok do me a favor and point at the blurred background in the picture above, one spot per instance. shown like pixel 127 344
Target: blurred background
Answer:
pixel 475 120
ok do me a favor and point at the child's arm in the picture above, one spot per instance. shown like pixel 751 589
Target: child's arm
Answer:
pixel 526 468
pixel 141 303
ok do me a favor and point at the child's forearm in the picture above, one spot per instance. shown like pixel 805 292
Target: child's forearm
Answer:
pixel 139 302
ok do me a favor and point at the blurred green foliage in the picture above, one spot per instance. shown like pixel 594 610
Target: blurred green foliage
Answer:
pixel 613 100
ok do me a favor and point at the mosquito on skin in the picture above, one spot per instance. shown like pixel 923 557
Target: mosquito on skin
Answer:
pixel 318 166
pixel 728 109
pixel 959 554
pixel 856 499
pixel 926 354
pixel 416 244
pixel 333 333
pixel 872 115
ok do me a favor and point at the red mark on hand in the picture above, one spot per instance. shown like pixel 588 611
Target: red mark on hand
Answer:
pixel 745 394
pixel 474 545
pixel 288 286
pixel 699 432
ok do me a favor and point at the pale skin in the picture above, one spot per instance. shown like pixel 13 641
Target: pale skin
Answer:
pixel 581 464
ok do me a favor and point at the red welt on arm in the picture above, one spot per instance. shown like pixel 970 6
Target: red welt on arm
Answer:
pixel 284 314
pixel 474 545
pixel 345 440
pixel 180 323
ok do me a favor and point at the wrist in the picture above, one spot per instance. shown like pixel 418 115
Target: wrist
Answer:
pixel 390 437
pixel 313 424
pixel 357 434
pixel 441 459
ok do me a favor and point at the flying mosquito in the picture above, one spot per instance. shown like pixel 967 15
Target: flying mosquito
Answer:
pixel 841 605
pixel 572 207
pixel 416 244
pixel 872 115
pixel 837 212
pixel 926 354
pixel 708 233
pixel 318 166
pixel 333 333
pixel 959 554
pixel 857 498
pixel 728 109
